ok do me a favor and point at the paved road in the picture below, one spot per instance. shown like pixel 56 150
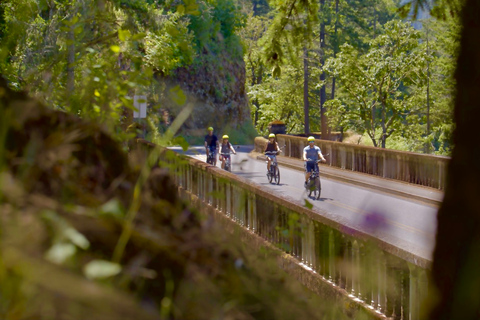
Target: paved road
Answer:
pixel 410 225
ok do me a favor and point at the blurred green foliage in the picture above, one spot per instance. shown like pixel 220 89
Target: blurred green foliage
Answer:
pixel 109 238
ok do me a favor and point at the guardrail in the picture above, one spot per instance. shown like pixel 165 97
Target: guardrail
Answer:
pixel 390 281
pixel 417 168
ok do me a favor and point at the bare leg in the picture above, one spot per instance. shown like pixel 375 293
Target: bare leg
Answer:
pixel 307 175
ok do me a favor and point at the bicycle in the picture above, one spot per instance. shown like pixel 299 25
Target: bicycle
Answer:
pixel 211 156
pixel 274 173
pixel 314 185
pixel 228 161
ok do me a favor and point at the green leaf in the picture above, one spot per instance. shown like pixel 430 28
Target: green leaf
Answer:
pixel 113 207
pixel 139 36
pixel 77 238
pixel 78 30
pixel 276 72
pixel 178 96
pixel 60 252
pixel 123 35
pixel 115 48
pixel 181 9
pixel 101 269
pixel 308 204
pixel 182 142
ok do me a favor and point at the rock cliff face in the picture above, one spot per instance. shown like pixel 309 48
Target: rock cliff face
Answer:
pixel 215 85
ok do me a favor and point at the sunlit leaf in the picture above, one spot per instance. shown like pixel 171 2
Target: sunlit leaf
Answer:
pixel 115 48
pixel 123 35
pixel 101 269
pixel 77 238
pixel 113 207
pixel 60 252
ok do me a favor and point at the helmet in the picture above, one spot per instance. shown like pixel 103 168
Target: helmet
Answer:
pixel 310 139
pixel 271 135
pixel 210 128
pixel 225 136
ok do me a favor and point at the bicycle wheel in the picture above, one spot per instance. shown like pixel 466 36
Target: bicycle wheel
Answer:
pixel 318 188
pixel 277 175
pixel 270 174
pixel 310 187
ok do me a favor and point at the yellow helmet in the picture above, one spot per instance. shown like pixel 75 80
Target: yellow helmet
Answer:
pixel 210 128
pixel 225 136
pixel 310 139
pixel 271 135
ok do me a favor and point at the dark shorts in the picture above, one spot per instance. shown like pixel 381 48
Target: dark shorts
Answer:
pixel 212 149
pixel 310 166
pixel 224 156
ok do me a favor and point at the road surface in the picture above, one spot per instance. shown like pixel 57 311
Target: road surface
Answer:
pixel 407 224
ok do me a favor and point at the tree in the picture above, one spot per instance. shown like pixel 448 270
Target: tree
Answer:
pixel 281 98
pixel 254 64
pixel 443 42
pixel 456 258
pixel 88 57
pixel 377 82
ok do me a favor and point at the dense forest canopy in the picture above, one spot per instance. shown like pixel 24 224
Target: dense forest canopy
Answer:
pixel 321 66
pixel 296 61
pixel 91 57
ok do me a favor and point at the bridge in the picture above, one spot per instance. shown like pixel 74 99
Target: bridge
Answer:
pixel 358 243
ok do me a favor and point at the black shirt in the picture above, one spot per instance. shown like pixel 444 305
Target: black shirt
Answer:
pixel 271 146
pixel 211 140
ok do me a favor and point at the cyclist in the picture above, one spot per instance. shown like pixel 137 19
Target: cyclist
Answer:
pixel 272 145
pixel 225 147
pixel 211 144
pixel 311 154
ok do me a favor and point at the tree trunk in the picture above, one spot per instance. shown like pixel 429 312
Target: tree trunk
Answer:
pixel 257 107
pixel 335 47
pixel 456 264
pixel 306 104
pixel 257 79
pixel 427 144
pixel 323 95
pixel 383 139
pixel 70 62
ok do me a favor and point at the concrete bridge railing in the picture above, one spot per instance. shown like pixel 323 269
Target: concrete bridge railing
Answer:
pixel 387 280
pixel 422 169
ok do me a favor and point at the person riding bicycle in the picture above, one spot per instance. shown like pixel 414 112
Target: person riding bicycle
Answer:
pixel 211 144
pixel 225 147
pixel 311 154
pixel 271 146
